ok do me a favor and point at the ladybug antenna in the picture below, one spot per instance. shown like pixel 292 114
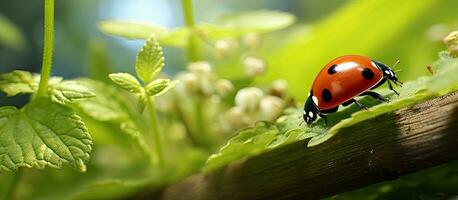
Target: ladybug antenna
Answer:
pixel 398 70
pixel 396 63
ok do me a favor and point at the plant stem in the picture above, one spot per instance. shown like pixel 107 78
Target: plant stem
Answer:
pixel 192 49
pixel 48 48
pixel 157 142
pixel 206 140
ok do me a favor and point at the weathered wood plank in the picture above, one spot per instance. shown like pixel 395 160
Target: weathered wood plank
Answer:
pixel 376 150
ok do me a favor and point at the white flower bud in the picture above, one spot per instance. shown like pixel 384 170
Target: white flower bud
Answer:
pixel 249 98
pixel 201 67
pixel 271 108
pixel 206 86
pixel 190 82
pixel 224 47
pixel 236 118
pixel 224 87
pixel 279 88
pixel 252 40
pixel 254 65
pixel 452 43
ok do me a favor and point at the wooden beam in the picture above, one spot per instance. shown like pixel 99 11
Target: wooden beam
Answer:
pixel 384 148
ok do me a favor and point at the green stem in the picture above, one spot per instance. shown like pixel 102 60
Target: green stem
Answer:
pixel 157 142
pixel 48 48
pixel 193 49
pixel 11 187
pixel 205 139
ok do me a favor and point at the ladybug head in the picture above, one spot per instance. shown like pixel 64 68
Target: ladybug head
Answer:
pixel 310 110
pixel 388 72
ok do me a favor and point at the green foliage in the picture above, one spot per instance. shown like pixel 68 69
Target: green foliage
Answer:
pixel 234 25
pixel 42 134
pixel 131 30
pixel 159 86
pixel 60 91
pixel 258 21
pixel 150 60
pixel 287 129
pixel 126 81
pixel 11 36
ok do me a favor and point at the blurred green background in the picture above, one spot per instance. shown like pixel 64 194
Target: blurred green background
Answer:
pixel 410 31
pixel 385 30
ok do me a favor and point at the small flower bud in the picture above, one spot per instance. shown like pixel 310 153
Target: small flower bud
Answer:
pixel 201 67
pixel 236 118
pixel 452 43
pixel 249 98
pixel 279 88
pixel 252 40
pixel 224 47
pixel 190 81
pixel 271 108
pixel 254 65
pixel 224 87
pixel 206 86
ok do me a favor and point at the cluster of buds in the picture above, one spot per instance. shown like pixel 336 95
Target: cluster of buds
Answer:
pixel 452 43
pixel 252 105
pixel 200 80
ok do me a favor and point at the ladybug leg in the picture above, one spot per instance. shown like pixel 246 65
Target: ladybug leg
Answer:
pixel 375 95
pixel 360 105
pixel 324 117
pixel 391 88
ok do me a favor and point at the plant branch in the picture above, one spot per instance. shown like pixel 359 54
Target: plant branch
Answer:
pixel 157 142
pixel 48 48
pixel 193 49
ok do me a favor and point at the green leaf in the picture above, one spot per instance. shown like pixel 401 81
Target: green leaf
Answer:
pixel 42 134
pixel 150 60
pixel 159 86
pixel 108 105
pixel 11 36
pixel 126 81
pixel 18 82
pixel 69 92
pixel 23 82
pixel 248 142
pixel 258 21
pixel 131 30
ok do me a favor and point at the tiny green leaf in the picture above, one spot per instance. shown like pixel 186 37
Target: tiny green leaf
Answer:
pixel 18 82
pixel 258 21
pixel 69 91
pixel 159 86
pixel 150 60
pixel 42 134
pixel 107 105
pixel 131 30
pixel 126 81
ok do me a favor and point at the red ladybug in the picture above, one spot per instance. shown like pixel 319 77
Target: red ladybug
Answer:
pixel 343 79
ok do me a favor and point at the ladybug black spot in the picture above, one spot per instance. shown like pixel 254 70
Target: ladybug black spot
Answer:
pixel 332 69
pixel 326 95
pixel 368 74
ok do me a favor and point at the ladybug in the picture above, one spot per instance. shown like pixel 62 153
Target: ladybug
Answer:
pixel 343 79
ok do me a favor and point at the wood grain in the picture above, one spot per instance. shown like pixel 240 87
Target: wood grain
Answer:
pixel 383 148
